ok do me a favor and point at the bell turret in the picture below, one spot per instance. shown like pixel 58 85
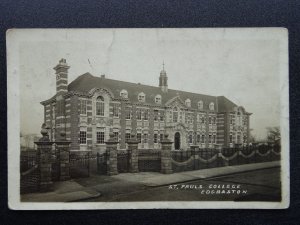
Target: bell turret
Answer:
pixel 163 80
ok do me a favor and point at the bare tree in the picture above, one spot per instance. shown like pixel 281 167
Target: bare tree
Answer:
pixel 273 134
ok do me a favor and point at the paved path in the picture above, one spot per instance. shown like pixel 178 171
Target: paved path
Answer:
pixel 124 183
pixel 166 179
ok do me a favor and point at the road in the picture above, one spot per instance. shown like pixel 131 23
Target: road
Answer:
pixel 260 185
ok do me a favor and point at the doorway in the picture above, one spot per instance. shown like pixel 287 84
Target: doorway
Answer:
pixel 177 140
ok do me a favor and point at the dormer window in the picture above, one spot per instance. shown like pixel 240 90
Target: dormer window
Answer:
pixel 158 99
pixel 188 102
pixel 124 94
pixel 200 105
pixel 141 97
pixel 211 106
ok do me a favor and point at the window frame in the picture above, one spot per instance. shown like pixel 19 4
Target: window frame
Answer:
pixel 81 101
pixel 100 104
pixel 82 137
pixel 100 137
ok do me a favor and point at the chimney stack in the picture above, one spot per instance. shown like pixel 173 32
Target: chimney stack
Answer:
pixel 61 71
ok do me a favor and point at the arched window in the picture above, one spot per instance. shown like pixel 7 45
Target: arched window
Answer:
pixel 211 106
pixel 100 106
pixel 141 97
pixel 124 94
pixel 188 102
pixel 200 105
pixel 157 99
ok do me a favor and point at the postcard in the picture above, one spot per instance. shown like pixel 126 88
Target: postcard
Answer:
pixel 148 118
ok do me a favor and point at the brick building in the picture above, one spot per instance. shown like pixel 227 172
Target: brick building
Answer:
pixel 91 107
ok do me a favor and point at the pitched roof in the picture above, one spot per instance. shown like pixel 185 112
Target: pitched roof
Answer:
pixel 86 82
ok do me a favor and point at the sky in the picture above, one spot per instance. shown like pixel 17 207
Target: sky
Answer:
pixel 242 65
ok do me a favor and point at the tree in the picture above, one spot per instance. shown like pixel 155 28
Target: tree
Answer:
pixel 273 134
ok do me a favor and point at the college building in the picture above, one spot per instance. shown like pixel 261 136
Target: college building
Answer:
pixel 91 107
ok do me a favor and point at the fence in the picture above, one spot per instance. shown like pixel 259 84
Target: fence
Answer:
pixel 149 160
pixel 208 158
pixel 64 164
pixel 29 172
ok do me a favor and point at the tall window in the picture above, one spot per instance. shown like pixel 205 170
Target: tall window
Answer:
pixel 115 109
pixel 100 137
pixel 82 137
pixel 211 106
pixel 155 138
pixel 231 119
pixel 198 138
pixel 116 135
pixel 139 137
pixel 161 137
pixel 214 120
pixel 155 115
pixel 191 138
pixel 203 139
pixel 214 138
pixel 145 138
pixel 127 137
pixel 146 114
pixel 162 115
pixel 100 106
pixel 245 121
pixel 209 139
pixel 230 138
pixel 175 115
pixel 238 139
pixel 128 113
pixel 124 94
pixel 200 105
pixel 139 114
pixel 82 106
pixel 202 119
pixel 141 97
pixel 158 99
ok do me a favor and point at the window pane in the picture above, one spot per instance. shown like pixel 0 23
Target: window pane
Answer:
pixel 82 137
pixel 100 108
pixel 139 114
pixel 155 138
pixel 115 110
pixel 155 115
pixel 139 137
pixel 146 112
pixel 100 137
pixel 127 137
pixel 162 115
pixel 82 106
pixel 128 113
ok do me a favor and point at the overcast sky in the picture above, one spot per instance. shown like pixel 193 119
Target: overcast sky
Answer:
pixel 241 65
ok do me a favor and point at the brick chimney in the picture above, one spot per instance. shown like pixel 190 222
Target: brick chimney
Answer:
pixel 61 71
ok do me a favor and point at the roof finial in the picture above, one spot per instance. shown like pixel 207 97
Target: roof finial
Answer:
pixel 163 65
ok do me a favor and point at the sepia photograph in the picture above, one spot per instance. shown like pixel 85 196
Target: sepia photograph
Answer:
pixel 148 118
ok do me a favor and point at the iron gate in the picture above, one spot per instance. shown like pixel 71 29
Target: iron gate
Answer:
pixel 80 164
pixel 123 161
pixel 102 163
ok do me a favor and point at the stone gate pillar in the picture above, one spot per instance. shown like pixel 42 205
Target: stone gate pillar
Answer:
pixel 63 147
pixel 112 155
pixel 44 147
pixel 166 146
pixel 133 154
